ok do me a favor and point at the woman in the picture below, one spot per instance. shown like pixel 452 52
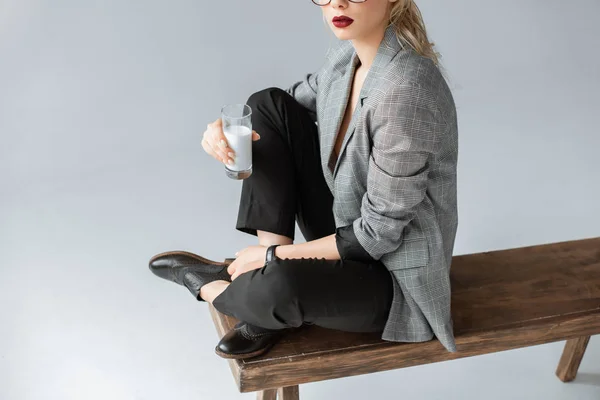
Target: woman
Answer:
pixel 372 187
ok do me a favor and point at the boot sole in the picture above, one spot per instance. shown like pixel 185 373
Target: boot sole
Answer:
pixel 192 255
pixel 245 355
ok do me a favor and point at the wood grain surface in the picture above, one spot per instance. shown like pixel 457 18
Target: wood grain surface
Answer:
pixel 501 300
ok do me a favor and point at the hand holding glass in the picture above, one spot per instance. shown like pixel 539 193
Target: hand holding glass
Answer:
pixel 237 128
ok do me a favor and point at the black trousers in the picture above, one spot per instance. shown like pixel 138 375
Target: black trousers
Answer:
pixel 287 185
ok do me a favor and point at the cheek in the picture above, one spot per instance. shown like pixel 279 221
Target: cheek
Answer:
pixel 376 15
pixel 376 9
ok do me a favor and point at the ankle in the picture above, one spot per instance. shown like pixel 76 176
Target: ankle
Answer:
pixel 211 290
pixel 268 238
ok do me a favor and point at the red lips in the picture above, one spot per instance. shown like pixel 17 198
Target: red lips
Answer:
pixel 342 18
pixel 341 21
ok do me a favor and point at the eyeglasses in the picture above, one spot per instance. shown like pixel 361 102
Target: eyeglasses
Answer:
pixel 325 2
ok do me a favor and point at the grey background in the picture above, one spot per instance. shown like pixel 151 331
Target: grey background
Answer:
pixel 102 107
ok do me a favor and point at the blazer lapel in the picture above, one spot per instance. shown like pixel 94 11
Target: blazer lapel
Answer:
pixel 340 93
pixel 341 88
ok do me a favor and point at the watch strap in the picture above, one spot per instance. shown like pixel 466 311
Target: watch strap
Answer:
pixel 270 256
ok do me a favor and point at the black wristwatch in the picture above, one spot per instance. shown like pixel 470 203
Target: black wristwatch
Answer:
pixel 271 253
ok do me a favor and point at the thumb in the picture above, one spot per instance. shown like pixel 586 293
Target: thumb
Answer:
pixel 255 135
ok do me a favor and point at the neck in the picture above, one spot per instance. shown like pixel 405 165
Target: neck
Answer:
pixel 366 48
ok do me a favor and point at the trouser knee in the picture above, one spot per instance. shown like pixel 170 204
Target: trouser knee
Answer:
pixel 265 96
pixel 277 296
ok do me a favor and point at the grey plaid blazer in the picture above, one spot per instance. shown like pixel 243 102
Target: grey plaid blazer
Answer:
pixel 394 184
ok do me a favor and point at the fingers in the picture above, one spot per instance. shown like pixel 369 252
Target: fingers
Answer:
pixel 235 273
pixel 209 150
pixel 218 142
pixel 215 143
pixel 232 267
pixel 247 267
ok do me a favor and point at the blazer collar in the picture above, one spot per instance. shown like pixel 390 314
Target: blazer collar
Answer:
pixel 388 48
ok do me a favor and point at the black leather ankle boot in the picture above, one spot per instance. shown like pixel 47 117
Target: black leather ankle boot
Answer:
pixel 189 270
pixel 246 341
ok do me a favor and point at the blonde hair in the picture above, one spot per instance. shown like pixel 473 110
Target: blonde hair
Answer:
pixel 410 29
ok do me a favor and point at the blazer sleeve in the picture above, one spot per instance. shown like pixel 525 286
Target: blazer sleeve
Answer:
pixel 305 90
pixel 406 131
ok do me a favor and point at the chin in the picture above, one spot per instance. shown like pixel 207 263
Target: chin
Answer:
pixel 343 34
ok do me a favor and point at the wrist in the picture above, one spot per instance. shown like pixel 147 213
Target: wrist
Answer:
pixel 284 251
pixel 270 254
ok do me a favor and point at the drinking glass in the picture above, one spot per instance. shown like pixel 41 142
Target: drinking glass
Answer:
pixel 237 127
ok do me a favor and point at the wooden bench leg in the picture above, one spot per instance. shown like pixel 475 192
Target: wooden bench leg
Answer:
pixel 289 393
pixel 270 394
pixel 571 358
pixel 285 393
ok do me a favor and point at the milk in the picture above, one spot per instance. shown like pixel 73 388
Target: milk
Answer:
pixel 240 140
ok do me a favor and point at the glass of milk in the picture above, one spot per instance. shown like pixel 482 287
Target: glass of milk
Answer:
pixel 237 127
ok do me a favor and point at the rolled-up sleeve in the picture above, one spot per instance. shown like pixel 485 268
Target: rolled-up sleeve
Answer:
pixel 406 131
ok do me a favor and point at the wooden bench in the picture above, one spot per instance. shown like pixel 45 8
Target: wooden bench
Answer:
pixel 501 300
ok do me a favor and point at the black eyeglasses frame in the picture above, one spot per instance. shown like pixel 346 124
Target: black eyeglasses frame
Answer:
pixel 351 1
